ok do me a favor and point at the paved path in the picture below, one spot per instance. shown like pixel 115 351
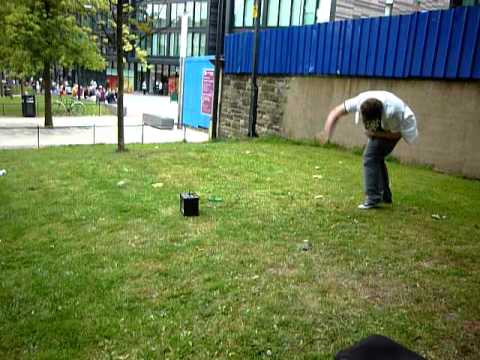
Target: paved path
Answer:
pixel 138 104
pixel 28 132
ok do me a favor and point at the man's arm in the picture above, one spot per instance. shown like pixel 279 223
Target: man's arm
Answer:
pixel 330 123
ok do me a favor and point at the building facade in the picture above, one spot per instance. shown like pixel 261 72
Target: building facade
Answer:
pixel 161 34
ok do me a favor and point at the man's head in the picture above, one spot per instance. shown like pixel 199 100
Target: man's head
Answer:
pixel 371 110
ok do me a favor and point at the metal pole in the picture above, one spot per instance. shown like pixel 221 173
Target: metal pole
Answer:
pixel 252 120
pixel 142 131
pixel 93 134
pixel 38 136
pixel 218 52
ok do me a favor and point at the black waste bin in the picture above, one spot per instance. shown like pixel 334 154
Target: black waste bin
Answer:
pixel 28 106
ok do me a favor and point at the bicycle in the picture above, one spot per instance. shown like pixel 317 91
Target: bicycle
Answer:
pixel 68 106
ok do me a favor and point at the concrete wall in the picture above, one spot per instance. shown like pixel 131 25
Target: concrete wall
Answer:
pixel 448 115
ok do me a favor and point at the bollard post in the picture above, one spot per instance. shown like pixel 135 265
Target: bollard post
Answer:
pixel 142 132
pixel 38 136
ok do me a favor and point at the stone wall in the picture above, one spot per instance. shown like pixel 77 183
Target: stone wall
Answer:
pixel 235 108
pixel 296 107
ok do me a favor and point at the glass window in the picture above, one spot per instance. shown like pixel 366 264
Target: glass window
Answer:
pixel 297 12
pixel 173 15
pixel 198 8
pixel 162 44
pixel 174 44
pixel 190 13
pixel 273 12
pixel 155 45
pixel 149 10
pixel 204 14
pixel 203 41
pixel 149 44
pixel 162 15
pixel 249 12
pixel 189 44
pixel 285 6
pixel 238 13
pixel 180 11
pixel 196 44
pixel 309 16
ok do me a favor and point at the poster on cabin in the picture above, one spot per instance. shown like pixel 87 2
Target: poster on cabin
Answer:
pixel 207 92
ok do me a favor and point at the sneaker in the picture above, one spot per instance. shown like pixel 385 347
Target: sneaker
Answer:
pixel 368 205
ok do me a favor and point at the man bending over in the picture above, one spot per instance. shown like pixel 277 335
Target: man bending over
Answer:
pixel 386 119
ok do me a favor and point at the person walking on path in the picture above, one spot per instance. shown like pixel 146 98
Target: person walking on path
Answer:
pixel 144 87
pixel 386 119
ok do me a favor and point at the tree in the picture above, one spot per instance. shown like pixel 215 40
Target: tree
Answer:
pixel 40 33
pixel 124 41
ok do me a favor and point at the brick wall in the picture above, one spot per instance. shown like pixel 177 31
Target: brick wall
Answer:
pixel 296 108
pixel 272 96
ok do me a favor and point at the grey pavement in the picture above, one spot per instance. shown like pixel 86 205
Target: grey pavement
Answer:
pixel 29 132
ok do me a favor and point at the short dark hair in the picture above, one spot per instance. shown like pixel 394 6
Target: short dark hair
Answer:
pixel 371 110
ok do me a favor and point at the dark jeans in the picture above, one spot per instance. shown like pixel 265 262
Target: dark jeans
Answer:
pixel 377 186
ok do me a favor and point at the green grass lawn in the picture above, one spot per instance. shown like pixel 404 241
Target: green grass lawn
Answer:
pixel 12 107
pixel 93 270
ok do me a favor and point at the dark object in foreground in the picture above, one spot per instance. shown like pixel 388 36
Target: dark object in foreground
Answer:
pixel 377 347
pixel 189 204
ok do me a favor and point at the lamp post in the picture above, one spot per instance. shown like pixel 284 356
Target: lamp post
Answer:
pixel 252 120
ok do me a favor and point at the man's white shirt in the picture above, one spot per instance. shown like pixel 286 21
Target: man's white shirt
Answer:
pixel 396 116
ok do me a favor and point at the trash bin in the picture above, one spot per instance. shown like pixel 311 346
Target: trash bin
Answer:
pixel 28 106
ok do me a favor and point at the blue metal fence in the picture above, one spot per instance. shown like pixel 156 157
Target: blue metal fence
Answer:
pixel 441 44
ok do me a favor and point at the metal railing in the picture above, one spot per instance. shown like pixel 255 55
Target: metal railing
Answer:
pixel 39 136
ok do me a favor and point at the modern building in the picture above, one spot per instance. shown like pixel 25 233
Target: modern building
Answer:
pixel 159 33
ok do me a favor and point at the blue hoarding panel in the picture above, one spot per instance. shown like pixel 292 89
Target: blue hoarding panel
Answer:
pixel 455 48
pixel 392 49
pixel 435 44
pixel 410 45
pixel 320 48
pixel 347 48
pixel 419 44
pixel 432 44
pixel 402 44
pixel 446 24
pixel 373 41
pixel 382 46
pixel 471 36
pixel 192 96
pixel 364 47
pixel 313 50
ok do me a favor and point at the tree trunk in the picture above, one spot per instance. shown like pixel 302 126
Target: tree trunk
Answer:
pixel 22 90
pixel 47 78
pixel 1 84
pixel 121 141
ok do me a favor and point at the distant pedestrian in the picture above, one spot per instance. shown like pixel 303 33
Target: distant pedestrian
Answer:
pixel 144 87
pixel 386 119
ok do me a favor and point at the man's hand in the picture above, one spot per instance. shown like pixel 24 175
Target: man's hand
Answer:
pixel 322 137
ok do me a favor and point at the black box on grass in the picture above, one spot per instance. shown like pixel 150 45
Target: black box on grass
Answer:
pixel 189 204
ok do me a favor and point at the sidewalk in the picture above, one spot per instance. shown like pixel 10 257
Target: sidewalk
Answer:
pixel 30 132
pixel 23 132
